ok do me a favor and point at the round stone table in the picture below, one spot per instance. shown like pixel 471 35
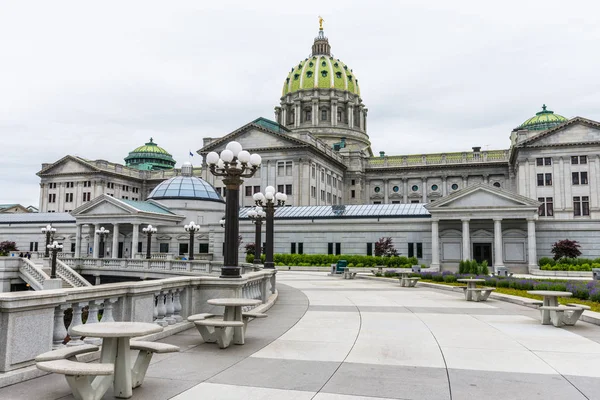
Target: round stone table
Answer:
pixel 550 300
pixel 233 312
pixel 471 284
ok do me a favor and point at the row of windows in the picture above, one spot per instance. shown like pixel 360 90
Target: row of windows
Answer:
pixel 576 160
pixel 331 179
pixel 577 178
pixel 434 188
pixel 581 206
pixel 326 196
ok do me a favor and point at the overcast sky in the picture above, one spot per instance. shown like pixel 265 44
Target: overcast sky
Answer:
pixel 97 79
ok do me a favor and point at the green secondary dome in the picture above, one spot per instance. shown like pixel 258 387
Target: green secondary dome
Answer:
pixel 321 70
pixel 150 157
pixel 542 120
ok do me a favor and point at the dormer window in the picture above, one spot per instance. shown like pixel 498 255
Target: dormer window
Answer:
pixel 324 73
pixel 350 78
pixel 336 65
pixel 309 74
pixel 338 74
pixel 296 76
pixel 310 64
pixel 323 64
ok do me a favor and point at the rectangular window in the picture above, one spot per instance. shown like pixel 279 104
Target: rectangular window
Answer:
pixel 334 199
pixel 329 248
pixel 203 248
pixel 414 201
pixel 377 202
pixel 323 115
pixel 329 197
pixel 164 247
pixel 397 201
pixel 579 178
pixel 288 190
pixel 280 188
pixel 353 194
pixel 575 178
pixel 581 206
pixel 256 189
pixel 352 182
pixel 583 178
pixel 329 179
pixel 539 162
pixel 300 248
pixel 313 172
pixel 87 196
pixel 224 192
pixel 419 250
pixel 248 191
pixel 139 250
pixel 72 247
pixel 574 159
pixel 288 168
pixel 183 249
pixel 313 191
pixel 540 179
pixel 546 208
pixel 280 169
pixel 322 176
pixel 322 195
pixel 582 159
pixel 218 190
pixel 30 246
pixel 547 160
pixel 548 179
pixel 411 249
pixel 293 248
pixel 369 249
pixel 338 248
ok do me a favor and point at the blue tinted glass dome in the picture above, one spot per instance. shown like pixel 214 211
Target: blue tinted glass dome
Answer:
pixel 185 187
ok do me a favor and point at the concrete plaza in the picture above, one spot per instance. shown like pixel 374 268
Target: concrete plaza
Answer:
pixel 333 339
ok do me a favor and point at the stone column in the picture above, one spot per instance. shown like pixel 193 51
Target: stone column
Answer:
pixel 350 111
pixel 135 239
pixel 465 181
pixel 298 114
pixel 404 191
pixel 315 112
pixel 333 112
pixel 444 187
pixel 361 117
pixel 498 251
pixel 78 240
pixel 435 244
pixel 385 191
pixel 283 115
pixel 466 239
pixel 96 249
pixel 486 178
pixel 424 184
pixel 531 244
pixel 115 243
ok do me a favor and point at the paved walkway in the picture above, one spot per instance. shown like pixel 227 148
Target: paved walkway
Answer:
pixel 334 339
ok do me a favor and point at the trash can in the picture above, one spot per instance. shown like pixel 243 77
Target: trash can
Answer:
pixel 341 264
pixel 596 274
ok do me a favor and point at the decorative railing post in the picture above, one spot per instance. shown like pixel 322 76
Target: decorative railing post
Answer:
pixel 177 305
pixel 60 331
pixel 263 290
pixel 169 307
pixel 273 282
pixel 161 309
pixel 107 313
pixel 76 321
pixel 92 318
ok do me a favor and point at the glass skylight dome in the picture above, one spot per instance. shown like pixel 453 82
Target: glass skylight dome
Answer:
pixel 185 186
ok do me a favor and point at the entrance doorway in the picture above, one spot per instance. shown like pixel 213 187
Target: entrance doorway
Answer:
pixel 120 255
pixel 482 251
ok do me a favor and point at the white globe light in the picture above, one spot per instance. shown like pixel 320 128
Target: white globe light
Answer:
pixel 283 197
pixel 269 196
pixel 244 156
pixel 220 164
pixel 234 147
pixel 269 189
pixel 263 214
pixel 212 158
pixel 255 159
pixel 227 155
pixel 258 209
pixel 279 196
pixel 252 214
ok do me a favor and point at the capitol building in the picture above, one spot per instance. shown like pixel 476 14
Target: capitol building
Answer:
pixel 506 206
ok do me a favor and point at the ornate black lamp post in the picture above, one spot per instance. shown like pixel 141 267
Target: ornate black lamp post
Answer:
pixel 192 229
pixel 257 215
pixel 269 201
pixel 149 230
pixel 232 164
pixel 55 248
pixel 49 231
pixel 102 233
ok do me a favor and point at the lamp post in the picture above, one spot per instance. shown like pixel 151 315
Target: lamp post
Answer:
pixel 49 231
pixel 149 230
pixel 55 248
pixel 232 164
pixel 192 229
pixel 102 233
pixel 257 215
pixel 269 201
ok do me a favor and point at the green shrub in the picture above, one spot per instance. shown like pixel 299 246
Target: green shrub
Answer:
pixel 449 278
pixel 546 261
pixel 483 268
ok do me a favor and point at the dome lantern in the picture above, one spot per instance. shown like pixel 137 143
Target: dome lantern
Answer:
pixel 542 120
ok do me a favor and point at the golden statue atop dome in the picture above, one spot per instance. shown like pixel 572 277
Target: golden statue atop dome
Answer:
pixel 321 23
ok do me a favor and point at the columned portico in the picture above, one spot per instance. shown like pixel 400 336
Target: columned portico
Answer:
pixel 466 239
pixel 115 241
pixel 96 250
pixel 498 251
pixel 435 244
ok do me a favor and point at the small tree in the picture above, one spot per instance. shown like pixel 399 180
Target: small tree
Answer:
pixel 385 248
pixel 566 248
pixel 250 248
pixel 6 247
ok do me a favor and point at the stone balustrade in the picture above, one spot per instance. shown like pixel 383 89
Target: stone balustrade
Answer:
pixel 32 323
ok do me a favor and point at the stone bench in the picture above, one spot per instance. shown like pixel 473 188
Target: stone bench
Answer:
pixel 348 274
pixel 565 315
pixel 199 317
pixel 81 377
pixel 146 351
pixel 249 316
pixel 409 281
pixel 479 294
pixel 66 353
pixel 217 330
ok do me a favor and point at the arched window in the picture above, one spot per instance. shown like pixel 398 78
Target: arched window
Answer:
pixel 308 116
pixel 340 115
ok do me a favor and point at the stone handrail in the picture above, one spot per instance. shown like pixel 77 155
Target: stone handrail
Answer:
pixel 68 275
pixel 38 318
pixel 32 274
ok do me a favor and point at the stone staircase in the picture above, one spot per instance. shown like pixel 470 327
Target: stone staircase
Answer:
pixel 35 273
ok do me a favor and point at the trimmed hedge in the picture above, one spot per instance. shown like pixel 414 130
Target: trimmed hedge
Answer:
pixel 325 260
pixel 570 267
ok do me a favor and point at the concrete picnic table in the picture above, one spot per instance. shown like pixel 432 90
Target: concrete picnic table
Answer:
pixel 550 300
pixel 233 312
pixel 116 349
pixel 405 281
pixel 471 284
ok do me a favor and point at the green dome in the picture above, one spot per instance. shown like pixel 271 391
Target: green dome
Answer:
pixel 150 156
pixel 321 71
pixel 543 120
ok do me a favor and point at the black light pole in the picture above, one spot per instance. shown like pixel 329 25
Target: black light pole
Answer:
pixel 192 229
pixel 102 233
pixel 232 164
pixel 55 248
pixel 257 215
pixel 149 230
pixel 49 231
pixel 269 201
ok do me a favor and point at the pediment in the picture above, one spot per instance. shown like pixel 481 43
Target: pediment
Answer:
pixel 67 165
pixel 578 131
pixel 105 208
pixel 482 196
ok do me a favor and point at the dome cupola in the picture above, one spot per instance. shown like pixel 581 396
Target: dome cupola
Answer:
pixel 150 157
pixel 542 120
pixel 185 186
